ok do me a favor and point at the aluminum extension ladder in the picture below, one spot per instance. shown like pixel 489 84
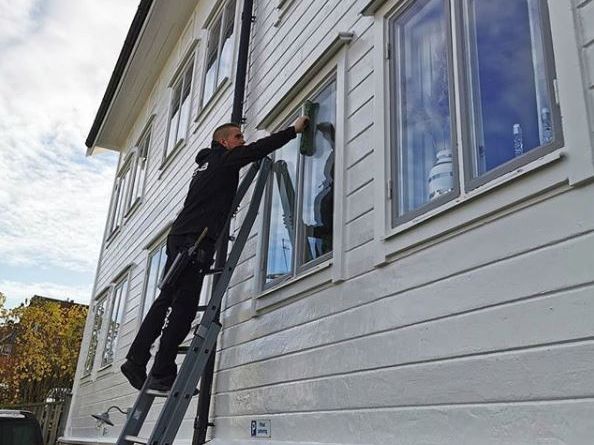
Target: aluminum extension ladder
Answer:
pixel 205 336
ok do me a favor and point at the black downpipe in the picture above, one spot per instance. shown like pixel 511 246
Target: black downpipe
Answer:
pixel 201 423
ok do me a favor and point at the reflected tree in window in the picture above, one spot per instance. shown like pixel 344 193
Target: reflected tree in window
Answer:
pixel 115 321
pixel 508 81
pixel 99 312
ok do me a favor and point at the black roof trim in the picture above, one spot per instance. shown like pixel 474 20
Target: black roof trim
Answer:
pixel 131 38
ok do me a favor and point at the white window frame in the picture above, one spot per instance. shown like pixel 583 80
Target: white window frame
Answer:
pixel 475 203
pixel 123 204
pixel 119 198
pixel 159 242
pixel 140 170
pixel 298 265
pixel 330 61
pixel 117 303
pixel 188 65
pixel 218 16
pixel 95 335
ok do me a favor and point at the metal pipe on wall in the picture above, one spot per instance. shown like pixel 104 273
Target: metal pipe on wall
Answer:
pixel 201 422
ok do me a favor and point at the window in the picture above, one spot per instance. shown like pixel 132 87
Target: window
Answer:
pixel 115 321
pixel 300 195
pixel 140 164
pixel 120 192
pixel 219 51
pixel 99 312
pixel 505 90
pixel 156 264
pixel 179 115
pixel 129 183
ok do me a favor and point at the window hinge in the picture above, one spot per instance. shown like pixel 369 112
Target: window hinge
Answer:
pixel 388 51
pixel 389 189
pixel 556 90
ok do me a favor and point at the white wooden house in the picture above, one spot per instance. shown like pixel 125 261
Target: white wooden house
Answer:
pixel 436 285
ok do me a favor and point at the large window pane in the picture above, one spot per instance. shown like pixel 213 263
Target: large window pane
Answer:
pixel 128 185
pixel 510 101
pixel 211 63
pixel 140 172
pixel 184 114
pixel 420 71
pixel 281 234
pixel 318 179
pixel 227 44
pixel 113 217
pixel 157 260
pixel 174 120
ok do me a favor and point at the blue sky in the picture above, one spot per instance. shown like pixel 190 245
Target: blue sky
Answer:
pixel 56 57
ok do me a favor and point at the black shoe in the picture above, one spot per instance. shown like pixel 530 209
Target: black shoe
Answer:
pixel 135 373
pixel 164 384
pixel 161 383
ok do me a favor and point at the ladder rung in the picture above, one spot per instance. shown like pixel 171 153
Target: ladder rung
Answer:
pixel 157 393
pixel 135 439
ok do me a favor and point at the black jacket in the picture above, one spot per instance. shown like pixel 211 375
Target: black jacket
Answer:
pixel 215 181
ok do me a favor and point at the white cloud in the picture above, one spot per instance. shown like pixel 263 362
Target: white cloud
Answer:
pixel 55 61
pixel 16 292
pixel 16 18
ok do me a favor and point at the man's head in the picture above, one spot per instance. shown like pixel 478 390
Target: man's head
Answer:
pixel 229 136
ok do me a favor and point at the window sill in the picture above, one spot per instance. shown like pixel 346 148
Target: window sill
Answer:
pixel 133 208
pixel 297 286
pixel 175 151
pixel 401 238
pixel 207 108
pixel 113 235
pixel 85 379
pixel 105 367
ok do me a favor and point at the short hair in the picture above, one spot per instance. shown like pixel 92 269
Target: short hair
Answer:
pixel 222 131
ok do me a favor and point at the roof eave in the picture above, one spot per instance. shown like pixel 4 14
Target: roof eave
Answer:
pixel 116 77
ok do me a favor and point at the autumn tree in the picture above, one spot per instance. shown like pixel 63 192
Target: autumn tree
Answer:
pixel 44 355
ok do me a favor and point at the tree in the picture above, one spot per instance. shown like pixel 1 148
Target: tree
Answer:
pixel 47 340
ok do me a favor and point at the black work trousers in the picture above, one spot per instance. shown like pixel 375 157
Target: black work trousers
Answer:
pixel 183 298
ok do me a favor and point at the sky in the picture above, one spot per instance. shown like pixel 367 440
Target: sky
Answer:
pixel 56 58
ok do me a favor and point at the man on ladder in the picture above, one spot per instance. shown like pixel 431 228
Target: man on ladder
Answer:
pixel 207 206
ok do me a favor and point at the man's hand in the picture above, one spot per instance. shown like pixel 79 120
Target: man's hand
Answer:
pixel 301 124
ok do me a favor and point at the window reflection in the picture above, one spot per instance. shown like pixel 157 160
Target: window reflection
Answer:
pixel 510 101
pixel 302 196
pixel 97 323
pixel 318 179
pixel 425 167
pixel 211 63
pixel 113 329
pixel 157 261
pixel 227 43
pixel 219 51
pixel 281 234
